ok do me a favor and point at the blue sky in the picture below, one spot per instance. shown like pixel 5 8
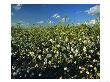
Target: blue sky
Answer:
pixel 53 13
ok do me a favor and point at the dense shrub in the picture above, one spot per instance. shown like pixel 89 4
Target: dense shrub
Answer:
pixel 56 52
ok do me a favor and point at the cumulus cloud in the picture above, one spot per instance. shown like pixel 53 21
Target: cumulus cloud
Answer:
pixel 92 21
pixel 56 15
pixel 40 22
pixel 95 10
pixel 50 22
pixel 17 7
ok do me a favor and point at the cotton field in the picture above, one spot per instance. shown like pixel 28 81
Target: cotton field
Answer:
pixel 55 52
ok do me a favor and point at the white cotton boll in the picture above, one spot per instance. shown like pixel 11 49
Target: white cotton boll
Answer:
pixel 84 49
pixel 46 49
pixel 65 68
pixel 89 56
pixel 40 74
pixel 28 71
pixel 58 45
pixel 98 37
pixel 31 53
pixel 98 53
pixel 84 41
pixel 49 62
pixel 68 47
pixel 91 51
pixel 76 51
pixel 43 44
pixel 94 60
pixel 79 67
pixel 50 40
pixel 14 73
pixel 79 39
pixel 13 67
pixel 57 53
pixel 91 66
pixel 54 66
pixel 71 56
pixel 72 49
pixel 36 65
pixel 87 72
pixel 74 62
pixel 60 38
pixel 39 56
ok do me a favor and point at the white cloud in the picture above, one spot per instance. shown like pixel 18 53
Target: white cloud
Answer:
pixel 17 7
pixel 78 23
pixel 94 10
pixel 40 22
pixel 23 23
pixel 50 22
pixel 92 21
pixel 56 15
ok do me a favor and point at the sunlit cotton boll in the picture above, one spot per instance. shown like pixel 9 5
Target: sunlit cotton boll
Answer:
pixel 49 62
pixel 76 51
pixel 72 49
pixel 39 56
pixel 51 40
pixel 87 72
pixel 14 73
pixel 68 47
pixel 98 37
pixel 94 60
pixel 74 62
pixel 28 70
pixel 13 67
pixel 54 66
pixel 89 56
pixel 79 39
pixel 79 67
pixel 31 53
pixel 36 65
pixel 91 66
pixel 40 74
pixel 81 71
pixel 91 51
pixel 84 49
pixel 46 49
pixel 58 45
pixel 65 68
pixel 71 56
pixel 85 41
pixel 98 53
